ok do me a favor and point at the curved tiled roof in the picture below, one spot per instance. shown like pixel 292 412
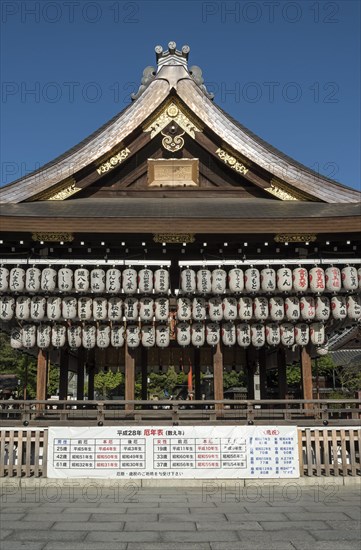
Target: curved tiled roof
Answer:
pixel 173 74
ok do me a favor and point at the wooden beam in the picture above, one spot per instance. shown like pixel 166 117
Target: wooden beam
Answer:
pixel 197 373
pixel 218 374
pixel 41 375
pixel 91 374
pixel 263 372
pixel 129 376
pixel 306 368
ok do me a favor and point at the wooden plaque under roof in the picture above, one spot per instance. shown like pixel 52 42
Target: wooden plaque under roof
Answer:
pixel 173 172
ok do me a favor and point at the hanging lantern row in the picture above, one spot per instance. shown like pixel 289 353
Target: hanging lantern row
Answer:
pixel 284 279
pixel 197 334
pixel 85 308
pixel 81 279
pixel 293 308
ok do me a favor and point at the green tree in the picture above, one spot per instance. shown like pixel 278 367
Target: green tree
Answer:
pixel 105 382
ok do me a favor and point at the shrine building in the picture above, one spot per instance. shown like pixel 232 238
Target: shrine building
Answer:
pixel 174 236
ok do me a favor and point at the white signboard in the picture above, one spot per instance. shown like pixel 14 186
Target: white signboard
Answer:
pixel 200 452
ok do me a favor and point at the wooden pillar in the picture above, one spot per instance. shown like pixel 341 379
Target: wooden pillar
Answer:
pixel 41 376
pixel 91 374
pixel 306 367
pixel 80 374
pixel 218 374
pixel 197 374
pixel 144 367
pixel 250 373
pixel 129 376
pixel 63 375
pixel 282 374
pixel 263 372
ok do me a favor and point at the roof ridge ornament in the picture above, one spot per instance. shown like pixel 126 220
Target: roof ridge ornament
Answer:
pixel 171 58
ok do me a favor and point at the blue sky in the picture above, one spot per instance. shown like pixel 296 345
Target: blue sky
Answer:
pixel 288 70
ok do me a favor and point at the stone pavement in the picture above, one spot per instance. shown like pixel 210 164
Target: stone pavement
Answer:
pixel 215 516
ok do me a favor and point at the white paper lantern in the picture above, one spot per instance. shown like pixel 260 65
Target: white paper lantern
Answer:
pixel 97 280
pixel 230 308
pixel 252 280
pixel 188 281
pixel 29 336
pixel 219 280
pixel 131 308
pixel 100 308
pixel 81 279
pixel 145 280
pixel 133 336
pixel 236 280
pixel 284 279
pixel 115 312
pixel 243 335
pixel 268 279
pixel 212 334
pixel 74 333
pixel 183 332
pixel 273 334
pixel 53 308
pixel 38 308
pixel 69 307
pixel 215 308
pixel 349 278
pixel 204 281
pixel 323 308
pixel 33 279
pixel 48 279
pixel 184 309
pixel 359 277
pixel 22 308
pixel 292 308
pixel 89 336
pixel 302 334
pixel 113 280
pixel 338 307
pixel 317 279
pixel 16 338
pixel 103 336
pixel 58 336
pixel 17 279
pixel 228 332
pixel 129 281
pixel 148 336
pixel 117 336
pixel 146 309
pixel 162 335
pixel 317 334
pixel 276 308
pixel 199 311
pixel 198 334
pixel 260 308
pixel 287 334
pixel 354 307
pixel 307 308
pixel 300 279
pixel 258 335
pixel 161 309
pixel 7 308
pixel 333 279
pixel 65 279
pixel 85 308
pixel 245 308
pixel 322 350
pixel 4 279
pixel 161 281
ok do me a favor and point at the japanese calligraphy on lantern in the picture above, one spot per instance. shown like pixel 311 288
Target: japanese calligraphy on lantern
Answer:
pixel 193 452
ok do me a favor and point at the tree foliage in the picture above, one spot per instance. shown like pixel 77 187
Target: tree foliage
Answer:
pixel 105 382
